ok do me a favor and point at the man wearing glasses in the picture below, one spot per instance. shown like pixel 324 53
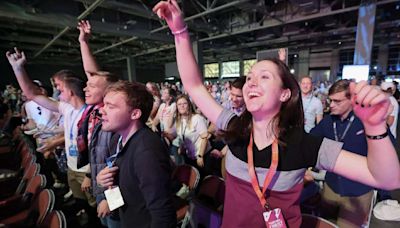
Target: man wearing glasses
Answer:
pixel 345 201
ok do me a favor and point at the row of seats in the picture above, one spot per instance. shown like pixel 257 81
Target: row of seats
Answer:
pixel 204 204
pixel 24 201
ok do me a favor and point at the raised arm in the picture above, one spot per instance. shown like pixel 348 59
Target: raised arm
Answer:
pixel 89 62
pixel 17 61
pixel 381 167
pixel 187 66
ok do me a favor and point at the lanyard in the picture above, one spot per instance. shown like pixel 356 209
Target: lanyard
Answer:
pixel 183 131
pixel 111 160
pixel 271 171
pixel 345 130
pixel 71 133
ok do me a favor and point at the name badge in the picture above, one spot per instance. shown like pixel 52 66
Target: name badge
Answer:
pixel 73 151
pixel 114 198
pixel 274 218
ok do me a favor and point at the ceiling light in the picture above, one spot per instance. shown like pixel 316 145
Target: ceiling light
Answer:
pixel 292 71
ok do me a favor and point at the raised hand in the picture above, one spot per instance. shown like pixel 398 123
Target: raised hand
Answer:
pixel 282 54
pixel 172 14
pixel 16 59
pixel 370 104
pixel 84 30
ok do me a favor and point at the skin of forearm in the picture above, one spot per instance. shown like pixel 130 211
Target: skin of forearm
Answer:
pixel 25 83
pixel 89 62
pixel 203 145
pixel 58 141
pixel 382 159
pixel 184 51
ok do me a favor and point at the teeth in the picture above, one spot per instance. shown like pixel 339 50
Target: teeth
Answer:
pixel 253 94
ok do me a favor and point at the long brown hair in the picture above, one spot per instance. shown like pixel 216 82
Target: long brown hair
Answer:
pixel 191 111
pixel 289 116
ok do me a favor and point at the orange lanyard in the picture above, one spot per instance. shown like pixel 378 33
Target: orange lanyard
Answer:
pixel 271 171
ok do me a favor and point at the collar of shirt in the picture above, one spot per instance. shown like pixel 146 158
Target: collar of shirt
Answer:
pixel 337 117
pixel 239 110
pixel 307 96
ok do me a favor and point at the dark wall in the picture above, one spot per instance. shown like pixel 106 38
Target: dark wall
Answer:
pixel 150 75
pixel 44 72
pixel 41 72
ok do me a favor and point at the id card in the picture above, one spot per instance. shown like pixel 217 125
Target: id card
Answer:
pixel 274 218
pixel 114 198
pixel 73 151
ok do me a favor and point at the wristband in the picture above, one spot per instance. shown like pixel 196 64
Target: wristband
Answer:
pixel 377 137
pixel 179 31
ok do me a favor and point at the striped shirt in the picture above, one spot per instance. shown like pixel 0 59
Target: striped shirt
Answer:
pixel 242 207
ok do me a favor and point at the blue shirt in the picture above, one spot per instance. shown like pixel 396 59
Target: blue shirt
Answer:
pixel 353 141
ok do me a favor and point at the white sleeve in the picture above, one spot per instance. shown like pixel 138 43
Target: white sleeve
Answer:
pixel 200 124
pixel 63 107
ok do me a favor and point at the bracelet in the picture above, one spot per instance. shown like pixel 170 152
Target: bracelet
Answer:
pixel 377 137
pixel 179 31
pixel 199 156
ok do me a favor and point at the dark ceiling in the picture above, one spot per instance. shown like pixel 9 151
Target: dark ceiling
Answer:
pixel 227 30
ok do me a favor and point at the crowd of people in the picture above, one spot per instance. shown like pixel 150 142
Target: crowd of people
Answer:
pixel 115 143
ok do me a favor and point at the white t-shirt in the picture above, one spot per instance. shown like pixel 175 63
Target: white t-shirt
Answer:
pixel 394 113
pixel 43 117
pixel 190 135
pixel 312 107
pixel 71 119
pixel 166 112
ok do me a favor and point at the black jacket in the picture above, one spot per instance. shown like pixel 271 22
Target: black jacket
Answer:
pixel 144 181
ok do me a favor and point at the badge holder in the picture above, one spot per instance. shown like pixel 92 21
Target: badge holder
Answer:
pixel 113 194
pixel 73 151
pixel 274 218
pixel 114 198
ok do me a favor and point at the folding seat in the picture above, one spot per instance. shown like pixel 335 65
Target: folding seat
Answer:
pixel 35 214
pixel 55 219
pixel 19 202
pixel 189 176
pixel 207 206
pixel 312 221
pixel 13 186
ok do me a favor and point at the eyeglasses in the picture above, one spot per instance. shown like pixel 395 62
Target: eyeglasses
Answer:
pixel 40 110
pixel 337 102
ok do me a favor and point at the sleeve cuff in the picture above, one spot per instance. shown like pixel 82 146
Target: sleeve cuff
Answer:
pixel 328 154
pixel 224 118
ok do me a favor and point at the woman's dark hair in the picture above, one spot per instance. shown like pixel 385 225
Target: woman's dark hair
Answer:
pixel 290 115
pixel 171 93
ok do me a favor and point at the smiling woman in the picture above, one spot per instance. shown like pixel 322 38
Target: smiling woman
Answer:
pixel 267 145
